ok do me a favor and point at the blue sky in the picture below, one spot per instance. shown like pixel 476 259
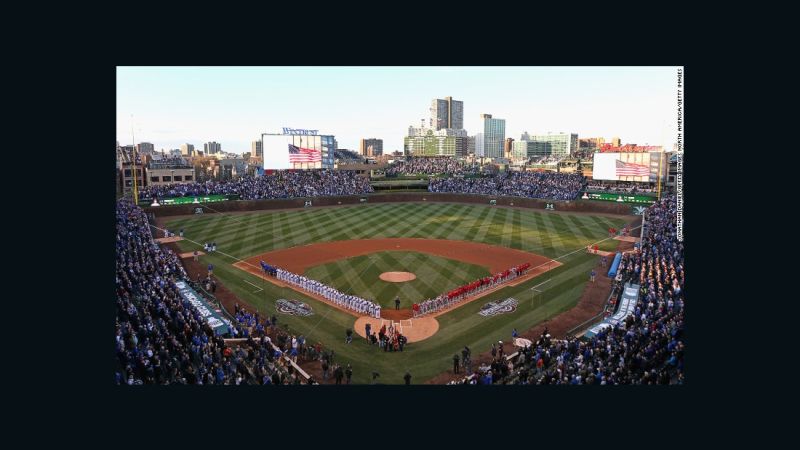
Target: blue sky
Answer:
pixel 234 105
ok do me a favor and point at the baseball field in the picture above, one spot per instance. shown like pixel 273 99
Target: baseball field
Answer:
pixel 466 242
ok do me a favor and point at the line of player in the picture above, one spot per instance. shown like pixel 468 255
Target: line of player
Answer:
pixel 350 302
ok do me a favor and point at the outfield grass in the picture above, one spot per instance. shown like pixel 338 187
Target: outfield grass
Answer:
pixel 360 276
pixel 546 233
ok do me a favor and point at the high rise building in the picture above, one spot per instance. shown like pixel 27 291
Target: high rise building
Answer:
pixel 590 145
pixel 187 150
pixel 520 150
pixel 433 144
pixel 471 145
pixel 508 147
pixel 559 145
pixel 492 140
pixel 479 147
pixel 447 113
pixel 145 148
pixel 371 147
pixel 212 148
pixel 615 141
pixel 256 149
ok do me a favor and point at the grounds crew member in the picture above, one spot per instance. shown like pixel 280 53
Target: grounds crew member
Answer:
pixel 407 377
pixel 455 363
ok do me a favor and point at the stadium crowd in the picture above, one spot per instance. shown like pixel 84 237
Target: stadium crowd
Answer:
pixel 280 184
pixel 646 348
pixel 460 293
pixel 430 165
pixel 546 185
pixel 160 338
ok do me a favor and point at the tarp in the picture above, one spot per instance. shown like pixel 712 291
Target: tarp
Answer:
pixel 612 272
pixel 626 307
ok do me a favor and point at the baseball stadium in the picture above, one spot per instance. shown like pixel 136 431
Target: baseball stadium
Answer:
pixel 420 270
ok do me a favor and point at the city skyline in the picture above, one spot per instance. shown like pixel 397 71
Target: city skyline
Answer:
pixel 234 105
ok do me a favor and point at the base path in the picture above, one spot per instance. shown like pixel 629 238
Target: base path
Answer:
pixel 397 277
pixel 493 257
pixel 627 238
pixel 167 240
pixel 191 254
pixel 414 329
pixel 599 252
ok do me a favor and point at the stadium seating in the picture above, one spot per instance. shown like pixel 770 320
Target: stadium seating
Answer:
pixel 280 184
pixel 546 185
pixel 162 338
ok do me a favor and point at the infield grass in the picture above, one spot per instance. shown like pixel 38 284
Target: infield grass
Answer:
pixel 360 276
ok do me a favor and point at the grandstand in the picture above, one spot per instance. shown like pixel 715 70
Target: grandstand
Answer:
pixel 172 328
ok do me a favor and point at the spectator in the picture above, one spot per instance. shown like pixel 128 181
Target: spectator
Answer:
pixel 161 338
pixel 545 185
pixel 281 184
pixel 428 165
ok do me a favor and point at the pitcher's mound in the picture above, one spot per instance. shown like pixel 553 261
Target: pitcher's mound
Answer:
pixel 397 277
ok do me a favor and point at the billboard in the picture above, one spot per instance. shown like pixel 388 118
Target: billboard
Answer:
pixel 275 151
pixel 640 167
pixel 296 151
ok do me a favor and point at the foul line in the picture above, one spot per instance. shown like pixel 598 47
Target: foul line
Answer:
pixel 251 284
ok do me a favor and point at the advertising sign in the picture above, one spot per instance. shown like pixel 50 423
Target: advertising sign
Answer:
pixel 621 198
pixel 206 310
pixel 639 167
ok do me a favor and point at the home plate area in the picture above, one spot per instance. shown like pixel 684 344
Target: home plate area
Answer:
pixel 415 330
pixel 399 326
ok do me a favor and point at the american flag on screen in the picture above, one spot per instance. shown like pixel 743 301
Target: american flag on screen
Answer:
pixel 303 155
pixel 632 170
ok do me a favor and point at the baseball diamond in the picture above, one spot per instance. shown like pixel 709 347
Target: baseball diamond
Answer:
pixel 326 244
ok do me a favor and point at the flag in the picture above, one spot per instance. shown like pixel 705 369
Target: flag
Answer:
pixel 303 155
pixel 629 169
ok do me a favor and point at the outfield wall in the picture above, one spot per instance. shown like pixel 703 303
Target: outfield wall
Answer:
pixel 399 197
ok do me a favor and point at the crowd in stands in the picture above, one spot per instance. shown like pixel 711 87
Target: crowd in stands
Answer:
pixel 620 187
pixel 280 184
pixel 160 338
pixel 430 165
pixel 546 159
pixel 546 185
pixel 646 348
pixel 347 156
pixel 460 293
pixel 350 302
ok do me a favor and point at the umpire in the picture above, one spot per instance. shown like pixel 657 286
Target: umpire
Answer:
pixel 397 302
pixel 455 363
